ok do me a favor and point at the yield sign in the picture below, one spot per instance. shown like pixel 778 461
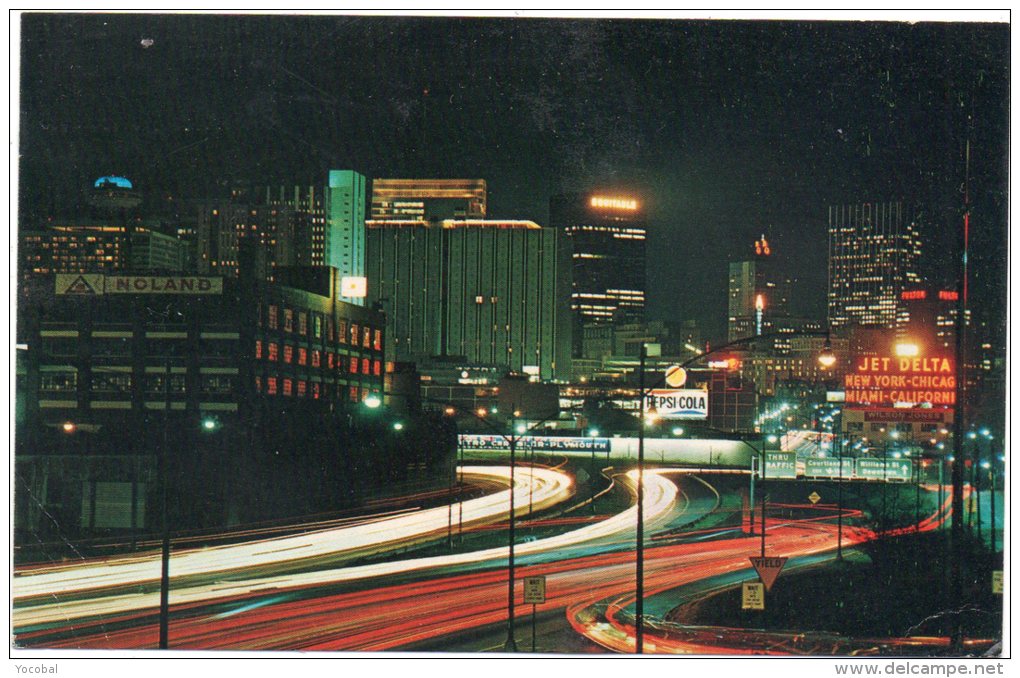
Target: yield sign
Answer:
pixel 768 569
pixel 814 497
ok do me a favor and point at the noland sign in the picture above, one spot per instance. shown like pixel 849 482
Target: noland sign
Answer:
pixel 888 380
pixel 677 403
pixel 94 284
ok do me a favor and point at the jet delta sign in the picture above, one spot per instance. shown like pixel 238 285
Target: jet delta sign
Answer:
pixel 93 284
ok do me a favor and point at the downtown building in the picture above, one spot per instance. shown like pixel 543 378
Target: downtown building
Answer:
pixel 605 234
pixel 874 255
pixel 238 393
pixel 295 226
pixel 481 293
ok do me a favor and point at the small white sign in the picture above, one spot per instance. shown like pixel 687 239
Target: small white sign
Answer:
pixel 534 590
pixel 353 287
pixel 753 597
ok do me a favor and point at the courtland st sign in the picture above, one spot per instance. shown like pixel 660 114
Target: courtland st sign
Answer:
pixel 891 381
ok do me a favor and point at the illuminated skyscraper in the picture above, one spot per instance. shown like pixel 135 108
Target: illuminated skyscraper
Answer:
pixel 427 200
pixel 606 232
pixel 345 227
pixel 489 292
pixel 874 250
pixel 759 293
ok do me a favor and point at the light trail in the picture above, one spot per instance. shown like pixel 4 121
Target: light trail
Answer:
pixel 342 543
pixel 660 496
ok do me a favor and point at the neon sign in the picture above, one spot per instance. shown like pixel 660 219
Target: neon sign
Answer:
pixel 887 381
pixel 614 203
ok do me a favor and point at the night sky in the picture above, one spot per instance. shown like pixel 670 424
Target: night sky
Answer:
pixel 726 129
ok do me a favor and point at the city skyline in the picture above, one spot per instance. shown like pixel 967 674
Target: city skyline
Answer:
pixel 725 130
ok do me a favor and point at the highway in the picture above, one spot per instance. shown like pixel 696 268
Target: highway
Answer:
pixel 452 601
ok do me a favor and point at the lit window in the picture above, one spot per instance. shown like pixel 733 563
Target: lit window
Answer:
pixel 274 321
pixel 288 320
pixel 302 323
pixel 288 387
pixel 302 356
pixel 377 344
pixel 364 366
pixel 354 365
pixel 316 358
pixel 288 354
pixel 274 352
pixel 258 349
pixel 301 388
pixel 354 334
pixel 271 385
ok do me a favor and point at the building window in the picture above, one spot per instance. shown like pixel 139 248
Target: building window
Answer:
pixel 119 383
pixel 354 365
pixel 377 344
pixel 58 382
pixel 329 359
pixel 288 387
pixel 316 358
pixel 377 367
pixel 341 334
pixel 354 334
pixel 274 320
pixel 217 384
pixel 258 349
pixel 288 354
pixel 302 356
pixel 301 388
pixel 302 323
pixel 273 352
pixel 366 338
pixel 353 394
pixel 329 329
pixel 317 326
pixel 315 390
pixel 258 384
pixel 288 320
pixel 365 369
pixel 271 385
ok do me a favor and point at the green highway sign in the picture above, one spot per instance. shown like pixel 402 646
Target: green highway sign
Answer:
pixel 815 467
pixel 780 464
pixel 882 469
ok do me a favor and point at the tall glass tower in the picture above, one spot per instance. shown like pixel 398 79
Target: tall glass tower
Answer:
pixel 606 232
pixel 874 251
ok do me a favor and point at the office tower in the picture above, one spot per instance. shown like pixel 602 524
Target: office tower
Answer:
pixel 294 226
pixel 759 293
pixel 606 236
pixel 874 250
pixel 426 200
pixel 488 292
pixel 345 230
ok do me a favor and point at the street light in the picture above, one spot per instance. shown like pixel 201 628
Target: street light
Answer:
pixel 826 359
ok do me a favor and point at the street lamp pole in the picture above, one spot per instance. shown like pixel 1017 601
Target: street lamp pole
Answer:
pixel 839 502
pixel 639 609
pixel 164 579
pixel 511 643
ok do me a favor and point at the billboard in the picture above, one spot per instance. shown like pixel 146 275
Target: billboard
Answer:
pixel 886 381
pixel 676 403
pixel 96 284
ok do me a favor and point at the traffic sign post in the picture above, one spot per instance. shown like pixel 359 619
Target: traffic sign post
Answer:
pixel 768 569
pixel 753 596
pixel 534 593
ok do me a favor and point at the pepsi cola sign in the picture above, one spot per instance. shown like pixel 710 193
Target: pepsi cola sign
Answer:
pixel 676 403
